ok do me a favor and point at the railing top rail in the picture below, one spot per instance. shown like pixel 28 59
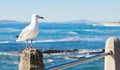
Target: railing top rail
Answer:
pixel 79 61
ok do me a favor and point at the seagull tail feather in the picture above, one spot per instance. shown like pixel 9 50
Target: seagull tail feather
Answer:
pixel 18 40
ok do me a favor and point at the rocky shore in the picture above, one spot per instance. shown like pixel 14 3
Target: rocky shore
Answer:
pixel 67 50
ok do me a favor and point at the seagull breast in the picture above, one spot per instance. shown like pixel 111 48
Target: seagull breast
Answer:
pixel 34 30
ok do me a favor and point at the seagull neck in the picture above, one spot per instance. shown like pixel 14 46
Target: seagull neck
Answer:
pixel 34 21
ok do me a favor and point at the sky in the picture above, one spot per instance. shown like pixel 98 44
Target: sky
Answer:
pixel 61 10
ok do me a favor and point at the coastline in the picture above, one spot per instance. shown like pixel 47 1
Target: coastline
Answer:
pixel 111 24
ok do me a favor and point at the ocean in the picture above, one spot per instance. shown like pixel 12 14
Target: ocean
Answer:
pixel 56 36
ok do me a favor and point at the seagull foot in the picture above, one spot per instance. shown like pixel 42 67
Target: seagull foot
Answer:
pixel 31 46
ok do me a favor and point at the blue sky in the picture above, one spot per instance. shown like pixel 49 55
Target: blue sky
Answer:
pixel 60 10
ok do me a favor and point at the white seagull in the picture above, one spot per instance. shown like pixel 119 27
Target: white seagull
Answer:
pixel 30 31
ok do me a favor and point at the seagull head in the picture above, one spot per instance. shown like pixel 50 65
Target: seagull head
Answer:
pixel 37 16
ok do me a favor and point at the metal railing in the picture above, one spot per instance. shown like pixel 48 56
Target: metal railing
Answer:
pixel 79 61
pixel 111 55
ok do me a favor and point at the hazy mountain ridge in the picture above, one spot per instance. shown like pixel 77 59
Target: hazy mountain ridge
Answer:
pixel 72 21
pixel 80 21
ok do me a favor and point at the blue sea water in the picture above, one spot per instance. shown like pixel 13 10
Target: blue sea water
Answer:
pixel 55 36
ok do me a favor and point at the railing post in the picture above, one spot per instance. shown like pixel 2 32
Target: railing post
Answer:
pixel 31 59
pixel 112 62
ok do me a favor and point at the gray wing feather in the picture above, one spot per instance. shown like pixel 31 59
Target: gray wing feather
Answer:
pixel 24 31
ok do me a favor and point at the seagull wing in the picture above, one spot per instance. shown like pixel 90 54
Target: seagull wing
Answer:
pixel 24 31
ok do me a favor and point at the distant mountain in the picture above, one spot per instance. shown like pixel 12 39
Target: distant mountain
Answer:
pixel 80 21
pixel 73 21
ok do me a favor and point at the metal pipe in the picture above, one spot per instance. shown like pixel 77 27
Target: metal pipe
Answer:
pixel 79 61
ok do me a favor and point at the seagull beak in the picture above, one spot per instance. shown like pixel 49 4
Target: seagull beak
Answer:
pixel 41 17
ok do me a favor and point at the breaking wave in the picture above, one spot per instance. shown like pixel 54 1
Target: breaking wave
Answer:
pixel 9 29
pixel 70 39
pixel 50 31
pixel 2 42
pixel 9 54
pixel 72 32
pixel 10 62
pixel 67 39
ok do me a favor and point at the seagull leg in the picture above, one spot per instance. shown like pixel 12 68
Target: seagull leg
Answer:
pixel 26 43
pixel 31 43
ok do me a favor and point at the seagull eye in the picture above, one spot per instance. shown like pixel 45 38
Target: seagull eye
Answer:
pixel 37 16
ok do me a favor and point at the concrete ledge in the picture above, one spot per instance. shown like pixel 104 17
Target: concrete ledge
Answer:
pixel 31 59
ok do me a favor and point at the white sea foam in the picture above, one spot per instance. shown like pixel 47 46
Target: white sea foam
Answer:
pixel 68 58
pixel 50 31
pixel 66 39
pixel 81 51
pixel 1 42
pixel 9 54
pixel 69 39
pixel 97 24
pixel 100 31
pixel 72 32
pixel 15 62
pixel 93 30
pixel 107 24
pixel 60 40
pixel 91 39
pixel 50 61
pixel 10 62
pixel 9 29
pixel 74 55
pixel 58 31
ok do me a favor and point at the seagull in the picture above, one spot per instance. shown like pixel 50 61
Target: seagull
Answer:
pixel 30 31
